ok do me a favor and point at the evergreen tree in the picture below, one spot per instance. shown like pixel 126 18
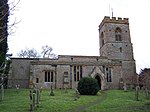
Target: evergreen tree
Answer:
pixel 4 13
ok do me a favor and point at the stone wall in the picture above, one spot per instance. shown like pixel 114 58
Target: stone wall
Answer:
pixel 19 73
pixel 114 20
pixel 26 71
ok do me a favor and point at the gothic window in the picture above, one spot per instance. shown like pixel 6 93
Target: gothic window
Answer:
pixel 37 80
pixel 80 71
pixel 102 39
pixel 120 49
pixel 103 69
pixel 78 76
pixel 77 72
pixel 49 75
pixel 71 73
pixel 52 76
pixel 118 34
pixel 108 74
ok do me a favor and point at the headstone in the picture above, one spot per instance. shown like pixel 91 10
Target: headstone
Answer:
pixel 137 93
pixel 37 97
pixel 125 87
pixel 66 90
pixel 34 96
pixel 30 95
pixel 52 92
pixel 31 102
pixel 147 93
pixel 34 101
pixel 17 87
pixel 1 92
pixel 143 89
pixel 76 95
pixel 40 93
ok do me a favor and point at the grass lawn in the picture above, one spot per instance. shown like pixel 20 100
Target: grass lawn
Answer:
pixel 120 101
pixel 115 101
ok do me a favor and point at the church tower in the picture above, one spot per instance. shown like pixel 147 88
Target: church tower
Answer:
pixel 115 43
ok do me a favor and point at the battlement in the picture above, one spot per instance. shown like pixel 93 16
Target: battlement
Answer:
pixel 118 20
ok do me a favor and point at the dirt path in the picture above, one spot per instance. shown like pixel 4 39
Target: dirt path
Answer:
pixel 83 107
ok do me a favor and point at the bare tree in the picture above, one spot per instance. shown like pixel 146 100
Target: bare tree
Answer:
pixel 132 80
pixel 6 11
pixel 22 54
pixel 32 53
pixel 28 53
pixel 144 81
pixel 144 78
pixel 47 52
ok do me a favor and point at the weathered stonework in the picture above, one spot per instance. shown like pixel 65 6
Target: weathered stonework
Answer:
pixel 114 63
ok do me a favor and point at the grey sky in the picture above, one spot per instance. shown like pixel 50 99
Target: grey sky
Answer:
pixel 70 27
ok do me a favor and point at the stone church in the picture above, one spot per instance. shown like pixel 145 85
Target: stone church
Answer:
pixel 114 66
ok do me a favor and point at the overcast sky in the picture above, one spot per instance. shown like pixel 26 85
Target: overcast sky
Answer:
pixel 70 27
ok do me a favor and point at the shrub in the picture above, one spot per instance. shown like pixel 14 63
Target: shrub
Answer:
pixel 88 86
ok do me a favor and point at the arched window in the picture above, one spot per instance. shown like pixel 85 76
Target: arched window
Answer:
pixel 108 74
pixel 102 39
pixel 49 76
pixel 118 34
pixel 120 49
pixel 77 72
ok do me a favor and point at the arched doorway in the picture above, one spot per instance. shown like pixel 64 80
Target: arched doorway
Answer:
pixel 99 81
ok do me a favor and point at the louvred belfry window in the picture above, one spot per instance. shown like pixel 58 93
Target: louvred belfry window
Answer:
pixel 118 34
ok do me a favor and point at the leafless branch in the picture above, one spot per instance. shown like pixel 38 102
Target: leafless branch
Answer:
pixel 10 27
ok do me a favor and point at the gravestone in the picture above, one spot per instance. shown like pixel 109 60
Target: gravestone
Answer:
pixel 66 90
pixel 137 93
pixel 32 96
pixel 40 93
pixel 76 95
pixel 125 87
pixel 52 92
pixel 37 97
pixel 143 90
pixel 31 102
pixel 17 87
pixel 147 93
pixel 1 92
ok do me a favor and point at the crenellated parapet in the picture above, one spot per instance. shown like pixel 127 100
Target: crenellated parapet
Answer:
pixel 118 20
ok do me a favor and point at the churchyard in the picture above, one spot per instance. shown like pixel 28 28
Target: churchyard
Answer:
pixel 19 100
